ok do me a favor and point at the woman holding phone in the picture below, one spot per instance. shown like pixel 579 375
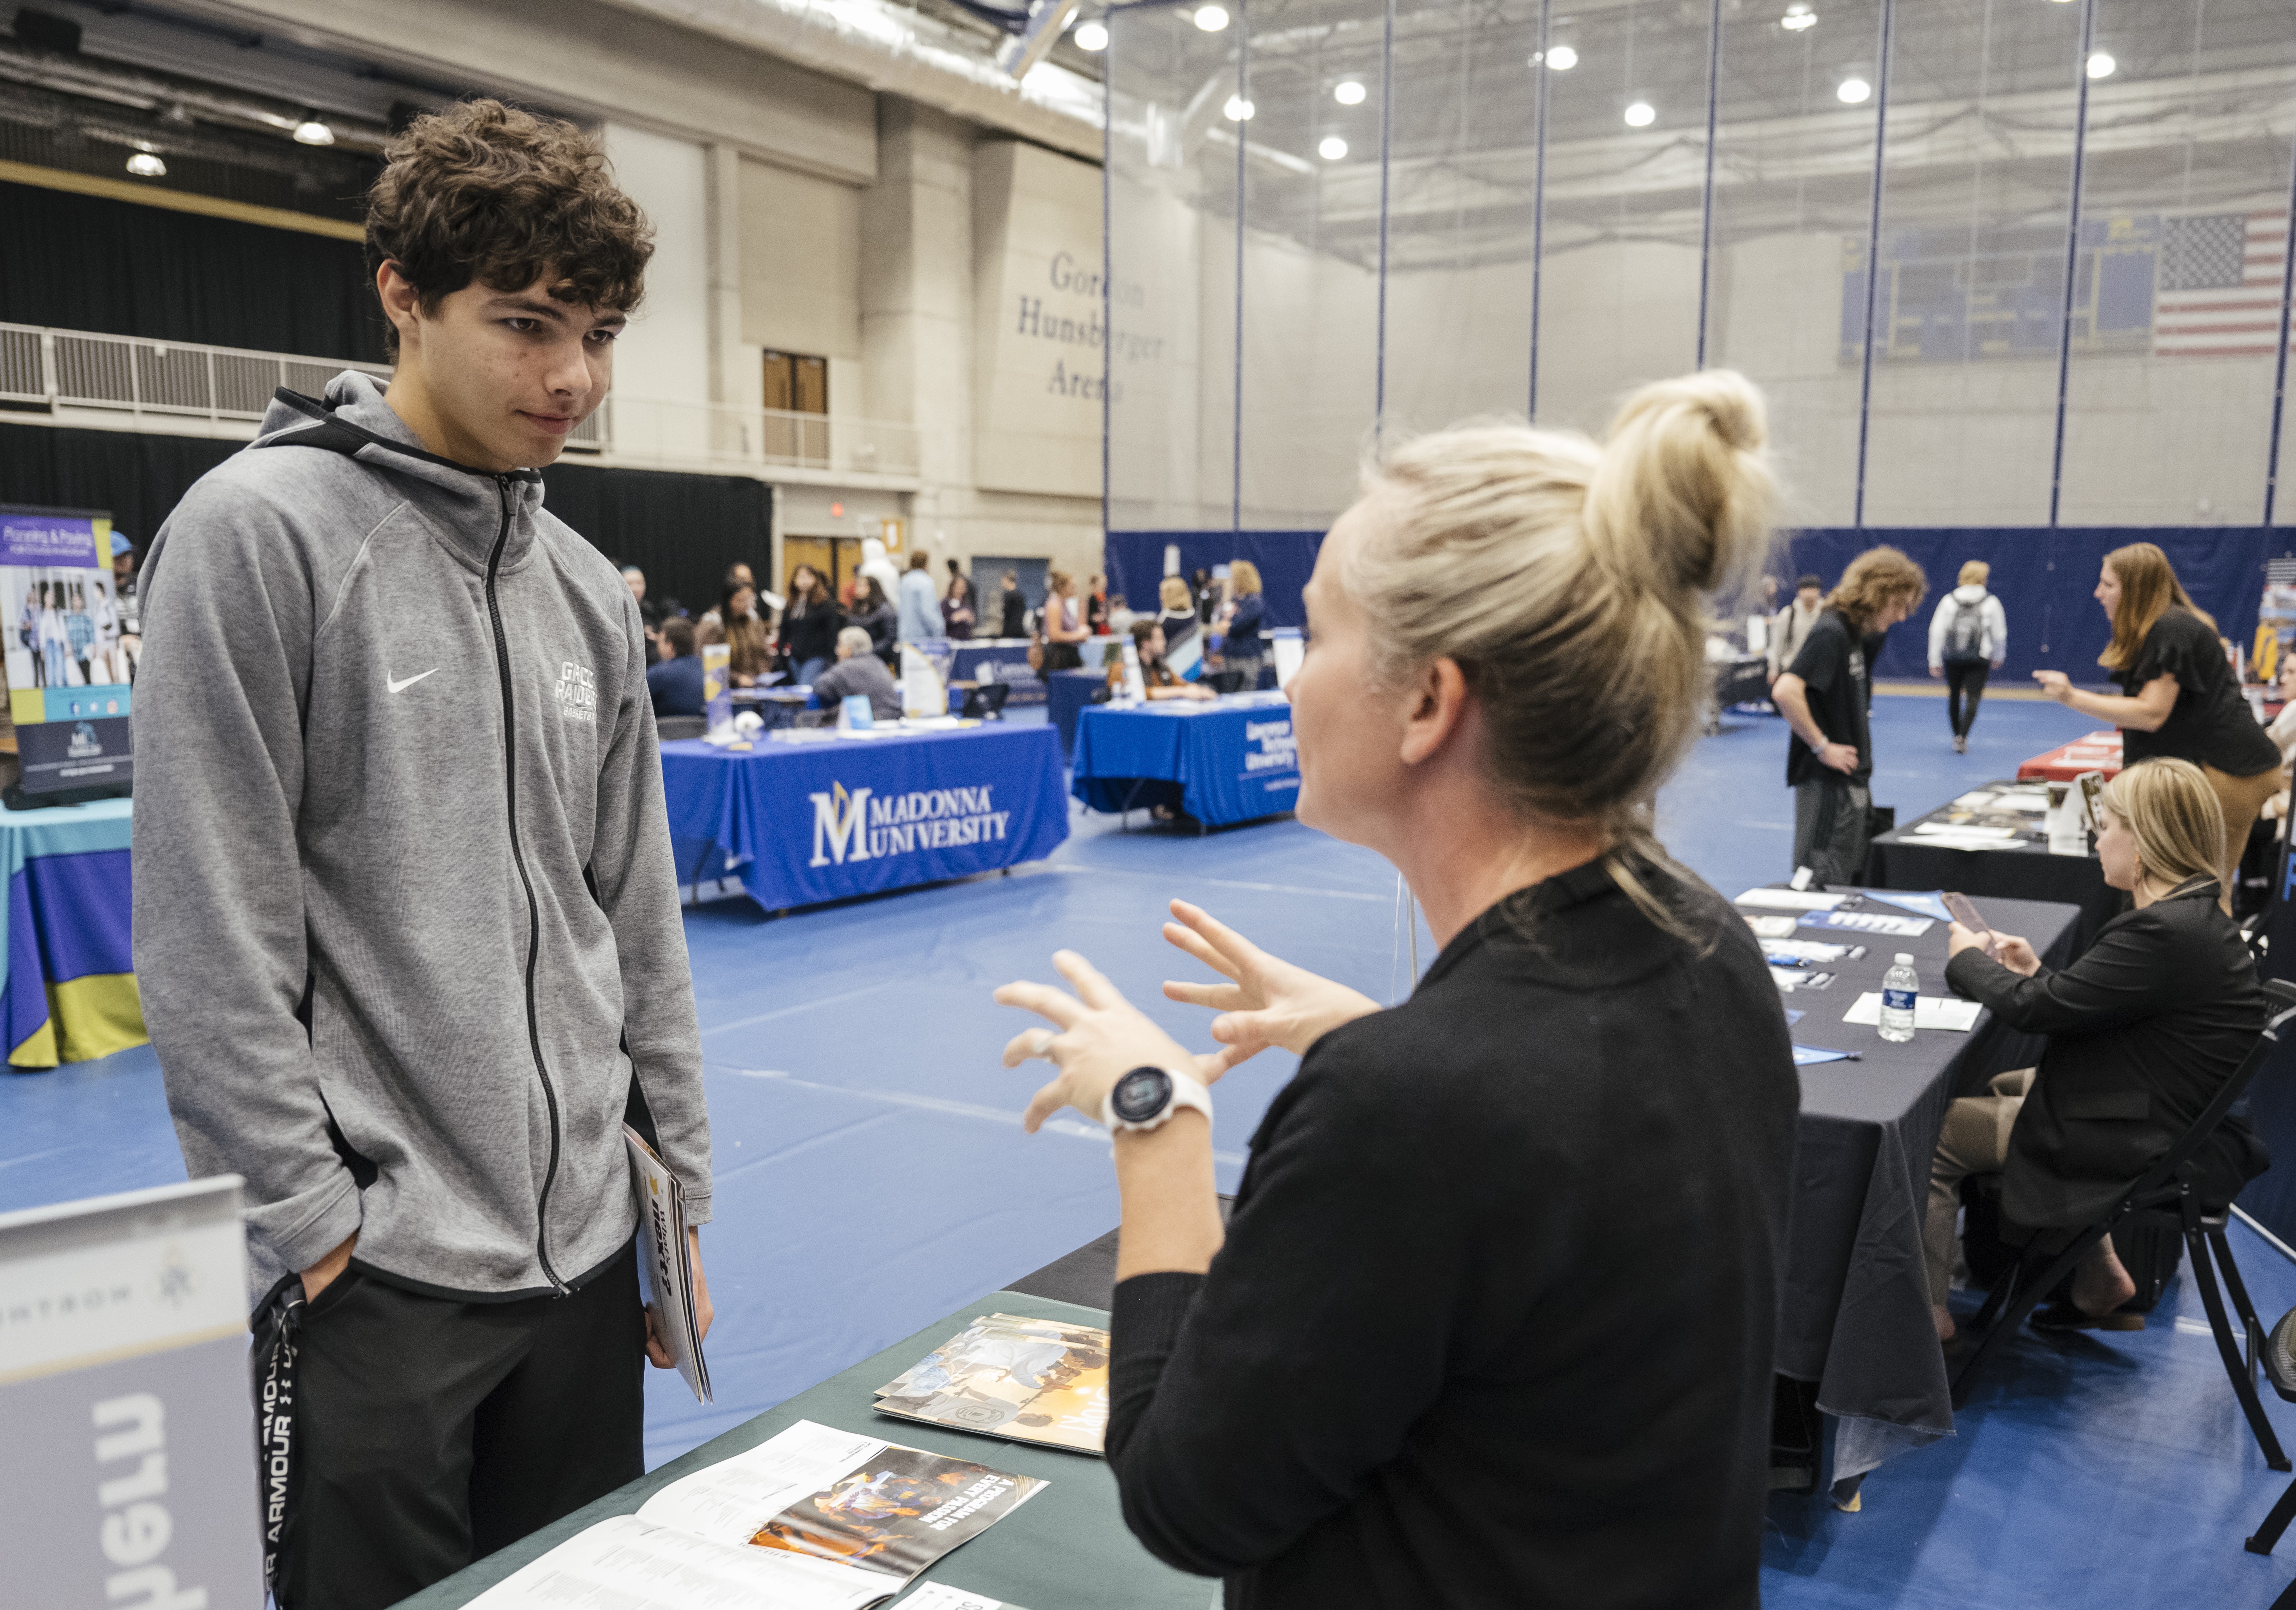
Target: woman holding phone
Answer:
pixel 2143 1028
pixel 2180 698
pixel 1446 1352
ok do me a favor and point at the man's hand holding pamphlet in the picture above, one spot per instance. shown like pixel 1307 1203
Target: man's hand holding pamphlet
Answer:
pixel 666 1265
pixel 813 1519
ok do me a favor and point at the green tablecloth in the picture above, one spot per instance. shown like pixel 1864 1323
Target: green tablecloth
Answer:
pixel 1064 1549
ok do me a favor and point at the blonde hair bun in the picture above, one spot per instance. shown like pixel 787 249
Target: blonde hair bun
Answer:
pixel 1683 488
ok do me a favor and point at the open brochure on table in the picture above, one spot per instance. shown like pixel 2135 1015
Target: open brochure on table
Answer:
pixel 813 1519
pixel 665 1260
pixel 1028 1380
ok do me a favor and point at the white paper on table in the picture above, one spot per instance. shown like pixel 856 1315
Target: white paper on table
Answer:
pixel 1978 801
pixel 1955 840
pixel 727 1502
pixel 1788 899
pixel 940 1596
pixel 1964 831
pixel 1930 1012
pixel 1870 921
pixel 628 1563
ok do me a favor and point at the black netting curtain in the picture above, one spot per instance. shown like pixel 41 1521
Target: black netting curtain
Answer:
pixel 682 529
pixel 1995 263
pixel 77 262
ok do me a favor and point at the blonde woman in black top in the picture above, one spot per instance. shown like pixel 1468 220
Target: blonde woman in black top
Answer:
pixel 1493 1321
pixel 2179 700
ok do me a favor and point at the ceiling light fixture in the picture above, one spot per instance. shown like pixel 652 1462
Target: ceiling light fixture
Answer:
pixel 2101 66
pixel 1333 148
pixel 1091 36
pixel 312 132
pixel 1642 114
pixel 1239 110
pixel 1797 17
pixel 1852 92
pixel 1211 19
pixel 144 165
pixel 1347 92
pixel 1561 59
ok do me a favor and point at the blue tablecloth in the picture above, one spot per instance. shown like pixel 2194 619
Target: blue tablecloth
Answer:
pixel 828 819
pixel 1232 760
pixel 70 979
pixel 1066 694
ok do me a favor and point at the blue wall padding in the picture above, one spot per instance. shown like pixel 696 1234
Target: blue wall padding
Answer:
pixel 1285 559
pixel 2045 577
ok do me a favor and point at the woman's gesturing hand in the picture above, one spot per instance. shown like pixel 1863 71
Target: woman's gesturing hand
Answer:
pixel 1267 1001
pixel 1100 1037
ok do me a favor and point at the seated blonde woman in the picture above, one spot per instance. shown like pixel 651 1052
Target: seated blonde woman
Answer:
pixel 2143 1028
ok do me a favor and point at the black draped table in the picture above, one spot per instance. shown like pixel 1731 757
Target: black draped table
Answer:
pixel 2022 870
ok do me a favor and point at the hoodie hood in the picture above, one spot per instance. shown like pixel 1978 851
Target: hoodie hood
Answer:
pixel 1973 594
pixel 352 418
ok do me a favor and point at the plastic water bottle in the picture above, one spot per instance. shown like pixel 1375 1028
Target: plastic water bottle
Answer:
pixel 1899 987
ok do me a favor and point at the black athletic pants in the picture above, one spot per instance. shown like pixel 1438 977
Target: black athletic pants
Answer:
pixel 1965 686
pixel 433 1431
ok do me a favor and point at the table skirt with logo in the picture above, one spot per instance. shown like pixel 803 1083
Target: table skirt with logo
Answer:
pixel 835 816
pixel 1233 761
pixel 70 991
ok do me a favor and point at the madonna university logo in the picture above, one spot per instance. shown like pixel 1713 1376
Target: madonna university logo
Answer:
pixel 856 825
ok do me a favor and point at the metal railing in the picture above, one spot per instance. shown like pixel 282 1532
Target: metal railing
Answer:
pixel 72 371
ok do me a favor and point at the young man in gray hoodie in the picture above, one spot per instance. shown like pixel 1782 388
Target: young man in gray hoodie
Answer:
pixel 406 922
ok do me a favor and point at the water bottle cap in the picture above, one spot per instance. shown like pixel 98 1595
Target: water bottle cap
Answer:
pixel 1904 959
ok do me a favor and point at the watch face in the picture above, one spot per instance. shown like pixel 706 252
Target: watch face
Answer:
pixel 1142 1094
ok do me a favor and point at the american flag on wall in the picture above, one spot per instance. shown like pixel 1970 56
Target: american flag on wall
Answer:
pixel 2219 289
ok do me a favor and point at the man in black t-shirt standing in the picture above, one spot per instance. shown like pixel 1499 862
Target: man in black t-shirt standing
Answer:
pixel 1824 696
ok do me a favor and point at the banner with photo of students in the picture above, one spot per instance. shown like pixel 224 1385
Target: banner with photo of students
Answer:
pixel 70 658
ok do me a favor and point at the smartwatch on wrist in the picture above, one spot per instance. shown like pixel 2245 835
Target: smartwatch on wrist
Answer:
pixel 1144 1097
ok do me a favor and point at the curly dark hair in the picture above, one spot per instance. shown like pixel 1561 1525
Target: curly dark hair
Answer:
pixel 489 192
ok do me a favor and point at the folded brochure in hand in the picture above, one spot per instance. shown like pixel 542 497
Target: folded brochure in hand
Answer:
pixel 665 1262
pixel 813 1519
pixel 1028 1380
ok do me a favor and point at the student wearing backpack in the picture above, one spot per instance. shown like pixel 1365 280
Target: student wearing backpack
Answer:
pixel 1969 638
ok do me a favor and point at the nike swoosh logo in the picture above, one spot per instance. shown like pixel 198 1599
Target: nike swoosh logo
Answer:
pixel 401 687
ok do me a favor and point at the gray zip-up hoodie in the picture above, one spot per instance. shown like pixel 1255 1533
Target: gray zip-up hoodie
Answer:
pixel 404 889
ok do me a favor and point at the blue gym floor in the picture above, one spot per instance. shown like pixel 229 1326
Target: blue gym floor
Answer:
pixel 872 1176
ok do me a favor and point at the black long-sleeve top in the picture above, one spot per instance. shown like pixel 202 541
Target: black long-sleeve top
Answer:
pixel 809 631
pixel 2143 1028
pixel 1494 1320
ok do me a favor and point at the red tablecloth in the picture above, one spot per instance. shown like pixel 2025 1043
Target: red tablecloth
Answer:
pixel 2098 752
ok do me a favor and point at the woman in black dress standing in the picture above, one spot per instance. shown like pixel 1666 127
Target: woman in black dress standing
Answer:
pixel 1493 1321
pixel 809 626
pixel 2179 700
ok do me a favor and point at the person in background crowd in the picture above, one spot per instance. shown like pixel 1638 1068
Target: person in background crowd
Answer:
pixel 956 572
pixel 957 615
pixel 875 562
pixel 406 914
pixel 874 614
pixel 650 613
pixel 1157 680
pixel 1968 638
pixel 1095 606
pixel 2179 700
pixel 737 575
pixel 918 614
pixel 1011 607
pixel 1184 637
pixel 2283 733
pixel 735 623
pixel 858 671
pixel 1120 615
pixel 1790 627
pixel 1825 696
pixel 1243 647
pixel 674 681
pixel 1064 630
pixel 810 622
pixel 1207 594
pixel 1404 1374
pixel 2143 1031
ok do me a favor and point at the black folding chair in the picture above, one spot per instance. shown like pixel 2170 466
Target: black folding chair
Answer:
pixel 2280 1370
pixel 2164 1198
